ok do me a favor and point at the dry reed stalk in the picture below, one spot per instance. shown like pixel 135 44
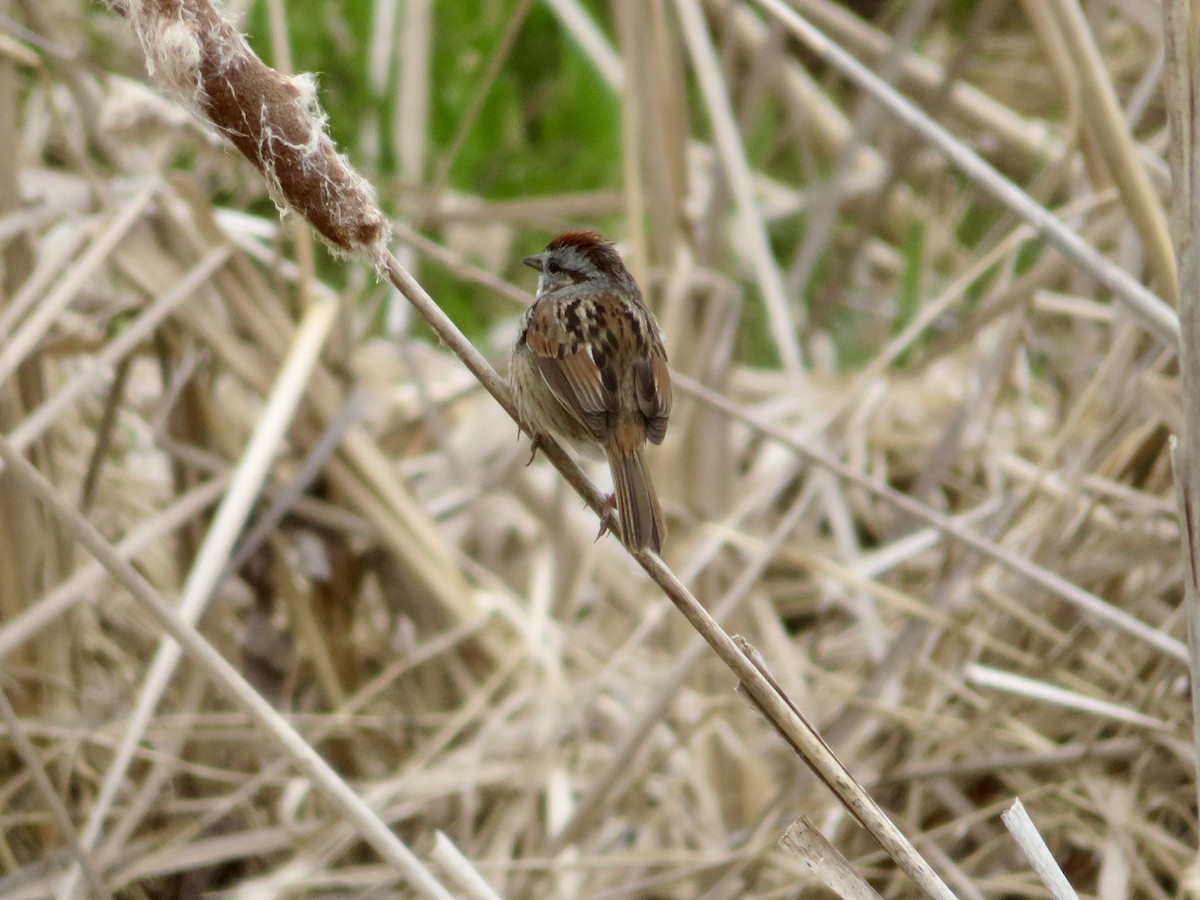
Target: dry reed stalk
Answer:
pixel 737 170
pixel 631 24
pixel 413 90
pixel 20 579
pixel 701 315
pixel 806 841
pixel 1103 115
pixel 470 882
pixel 1017 820
pixel 34 551
pixel 1181 24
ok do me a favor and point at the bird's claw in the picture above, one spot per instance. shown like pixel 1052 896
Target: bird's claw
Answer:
pixel 537 442
pixel 610 507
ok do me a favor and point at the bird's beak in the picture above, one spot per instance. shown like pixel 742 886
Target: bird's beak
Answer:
pixel 534 262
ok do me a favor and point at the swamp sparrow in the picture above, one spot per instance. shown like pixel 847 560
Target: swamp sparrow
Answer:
pixel 589 365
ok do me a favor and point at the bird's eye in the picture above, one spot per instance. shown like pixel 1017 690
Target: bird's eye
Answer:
pixel 553 267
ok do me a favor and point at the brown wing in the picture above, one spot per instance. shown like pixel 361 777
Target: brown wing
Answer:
pixel 580 375
pixel 654 393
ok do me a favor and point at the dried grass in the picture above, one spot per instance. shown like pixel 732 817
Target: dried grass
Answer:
pixel 958 559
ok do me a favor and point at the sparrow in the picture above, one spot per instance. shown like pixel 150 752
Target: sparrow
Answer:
pixel 589 366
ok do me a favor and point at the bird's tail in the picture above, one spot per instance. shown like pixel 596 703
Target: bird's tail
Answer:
pixel 637 504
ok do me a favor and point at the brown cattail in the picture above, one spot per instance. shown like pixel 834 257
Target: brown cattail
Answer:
pixel 274 120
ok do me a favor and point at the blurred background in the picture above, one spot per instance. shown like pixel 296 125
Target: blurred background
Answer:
pixel 918 458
